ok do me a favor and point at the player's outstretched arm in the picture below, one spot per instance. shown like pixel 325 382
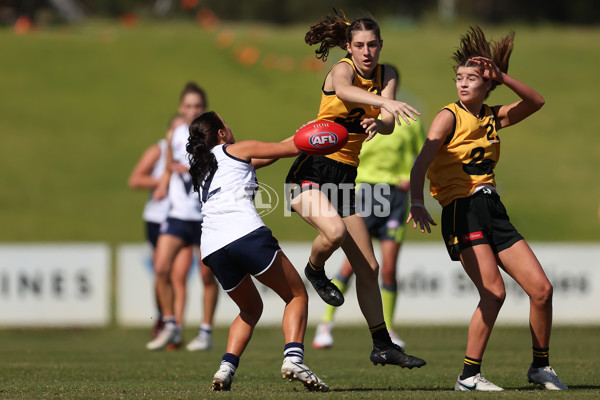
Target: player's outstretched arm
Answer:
pixel 440 127
pixel 249 149
pixel 263 162
pixel 342 76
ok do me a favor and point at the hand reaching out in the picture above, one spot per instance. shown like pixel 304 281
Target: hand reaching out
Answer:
pixel 401 110
pixel 370 126
pixel 420 215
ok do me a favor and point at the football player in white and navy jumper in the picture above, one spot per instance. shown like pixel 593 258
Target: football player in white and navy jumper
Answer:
pixel 236 243
pixel 146 175
pixel 180 233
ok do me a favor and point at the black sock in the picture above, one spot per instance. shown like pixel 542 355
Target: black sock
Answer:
pixel 471 367
pixel 380 335
pixel 540 357
pixel 314 270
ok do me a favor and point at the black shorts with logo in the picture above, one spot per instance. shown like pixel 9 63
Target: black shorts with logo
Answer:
pixel 477 219
pixel 335 179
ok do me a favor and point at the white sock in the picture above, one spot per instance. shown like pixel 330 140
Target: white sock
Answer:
pixel 295 354
pixel 169 320
pixel 230 365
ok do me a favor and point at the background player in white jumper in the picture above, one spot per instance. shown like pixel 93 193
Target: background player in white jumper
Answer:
pixel 181 230
pixel 146 175
pixel 237 244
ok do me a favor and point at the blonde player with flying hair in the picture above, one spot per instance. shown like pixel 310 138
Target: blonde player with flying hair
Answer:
pixel 459 155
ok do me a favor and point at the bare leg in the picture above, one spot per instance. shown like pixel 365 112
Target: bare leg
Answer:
pixel 480 265
pixel 248 299
pixel 283 278
pixel 521 264
pixel 167 248
pixel 210 294
pixel 359 250
pixel 179 273
pixel 314 207
pixel 389 258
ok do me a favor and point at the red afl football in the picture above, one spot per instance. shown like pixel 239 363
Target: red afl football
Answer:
pixel 321 137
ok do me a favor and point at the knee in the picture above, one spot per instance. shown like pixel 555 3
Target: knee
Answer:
pixel 208 278
pixel 388 276
pixel 495 296
pixel 298 295
pixel 299 301
pixel 375 269
pixel 368 274
pixel 178 281
pixel 162 274
pixel 251 313
pixel 543 294
pixel 302 297
pixel 335 236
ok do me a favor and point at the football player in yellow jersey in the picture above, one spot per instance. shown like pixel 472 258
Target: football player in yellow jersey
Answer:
pixel 321 188
pixel 461 151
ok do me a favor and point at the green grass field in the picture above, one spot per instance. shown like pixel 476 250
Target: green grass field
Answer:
pixel 80 104
pixel 113 364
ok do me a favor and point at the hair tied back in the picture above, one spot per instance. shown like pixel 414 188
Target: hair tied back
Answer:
pixel 342 16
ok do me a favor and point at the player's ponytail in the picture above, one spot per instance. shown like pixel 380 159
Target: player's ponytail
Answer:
pixel 502 50
pixel 336 31
pixel 203 137
pixel 329 32
pixel 474 44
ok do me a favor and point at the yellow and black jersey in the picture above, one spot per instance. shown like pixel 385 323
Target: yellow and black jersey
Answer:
pixel 467 157
pixel 351 114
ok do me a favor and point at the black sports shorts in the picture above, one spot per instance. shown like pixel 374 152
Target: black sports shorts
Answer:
pixel 478 219
pixel 335 179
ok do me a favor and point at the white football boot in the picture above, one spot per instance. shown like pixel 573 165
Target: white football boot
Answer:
pixel 546 377
pixel 476 382
pixel 202 341
pixel 299 372
pixel 323 338
pixel 169 334
pixel 223 378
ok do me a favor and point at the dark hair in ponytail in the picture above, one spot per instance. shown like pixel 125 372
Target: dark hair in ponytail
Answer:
pixel 474 44
pixel 337 31
pixel 203 137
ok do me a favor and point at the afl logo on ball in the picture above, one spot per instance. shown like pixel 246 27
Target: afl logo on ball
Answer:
pixel 323 139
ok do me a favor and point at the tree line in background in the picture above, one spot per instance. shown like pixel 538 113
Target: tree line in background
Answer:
pixel 573 12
